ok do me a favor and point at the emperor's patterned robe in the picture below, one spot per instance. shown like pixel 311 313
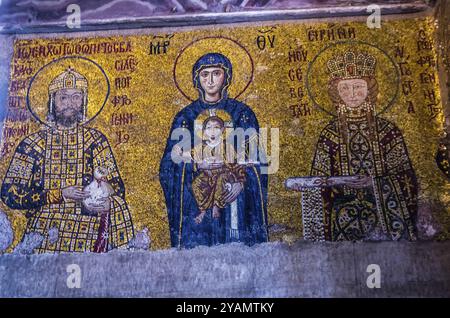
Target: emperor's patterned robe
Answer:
pixel 50 160
pixel 387 207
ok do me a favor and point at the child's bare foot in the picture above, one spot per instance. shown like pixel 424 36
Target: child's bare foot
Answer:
pixel 200 217
pixel 216 212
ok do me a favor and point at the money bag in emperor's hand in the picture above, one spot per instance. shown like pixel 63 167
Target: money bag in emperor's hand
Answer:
pixel 98 189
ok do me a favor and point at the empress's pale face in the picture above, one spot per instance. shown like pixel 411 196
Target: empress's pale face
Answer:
pixel 353 92
pixel 213 131
pixel 68 104
pixel 211 80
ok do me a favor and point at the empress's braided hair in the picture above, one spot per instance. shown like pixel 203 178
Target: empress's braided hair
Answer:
pixel 371 99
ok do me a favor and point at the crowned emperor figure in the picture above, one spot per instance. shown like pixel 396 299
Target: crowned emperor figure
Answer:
pixel 377 196
pixel 50 170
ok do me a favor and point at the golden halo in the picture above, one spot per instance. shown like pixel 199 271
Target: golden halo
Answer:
pixel 386 74
pixel 97 91
pixel 238 55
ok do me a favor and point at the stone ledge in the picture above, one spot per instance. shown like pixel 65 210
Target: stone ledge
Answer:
pixel 267 270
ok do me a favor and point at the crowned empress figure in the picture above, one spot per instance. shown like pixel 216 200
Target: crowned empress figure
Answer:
pixel 371 190
pixel 49 172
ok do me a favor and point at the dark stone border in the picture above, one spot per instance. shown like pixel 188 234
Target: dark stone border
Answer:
pixel 198 19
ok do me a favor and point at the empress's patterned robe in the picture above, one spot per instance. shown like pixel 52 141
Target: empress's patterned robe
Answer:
pixel 389 205
pixel 50 160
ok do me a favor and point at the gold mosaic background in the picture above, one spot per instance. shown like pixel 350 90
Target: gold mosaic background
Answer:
pixel 155 100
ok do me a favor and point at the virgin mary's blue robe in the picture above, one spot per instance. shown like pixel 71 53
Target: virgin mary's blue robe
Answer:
pixel 176 181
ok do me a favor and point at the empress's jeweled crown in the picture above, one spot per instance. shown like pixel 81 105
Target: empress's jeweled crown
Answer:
pixel 68 79
pixel 352 65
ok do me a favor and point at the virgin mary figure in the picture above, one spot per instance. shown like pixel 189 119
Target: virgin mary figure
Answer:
pixel 243 214
pixel 369 188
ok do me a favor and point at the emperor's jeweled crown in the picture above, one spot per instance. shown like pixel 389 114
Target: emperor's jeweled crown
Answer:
pixel 68 79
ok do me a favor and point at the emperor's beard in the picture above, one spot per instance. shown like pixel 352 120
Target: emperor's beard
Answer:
pixel 68 121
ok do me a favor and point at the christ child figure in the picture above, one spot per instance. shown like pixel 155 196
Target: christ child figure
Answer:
pixel 216 167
